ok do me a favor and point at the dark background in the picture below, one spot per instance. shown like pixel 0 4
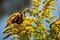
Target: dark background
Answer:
pixel 11 6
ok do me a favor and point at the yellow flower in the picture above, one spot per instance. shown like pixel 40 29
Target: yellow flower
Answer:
pixel 33 30
pixel 8 31
pixel 23 31
pixel 43 8
pixel 50 16
pixel 57 22
pixel 52 3
pixel 34 2
pixel 56 29
pixel 28 27
pixel 47 11
pixel 35 8
pixel 27 22
pixel 48 7
pixel 26 18
pixel 22 25
pixel 44 36
pixel 34 19
pixel 59 33
pixel 36 11
pixel 52 26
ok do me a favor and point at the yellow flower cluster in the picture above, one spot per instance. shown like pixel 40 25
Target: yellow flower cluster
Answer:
pixel 22 25
pixel 52 3
pixel 36 4
pixel 47 9
pixel 55 29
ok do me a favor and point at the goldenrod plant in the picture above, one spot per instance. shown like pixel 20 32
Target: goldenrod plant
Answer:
pixel 22 27
pixel 55 30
